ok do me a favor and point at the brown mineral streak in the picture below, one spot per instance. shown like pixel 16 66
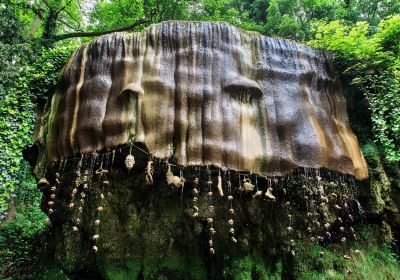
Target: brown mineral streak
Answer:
pixel 78 91
pixel 205 93
pixel 323 142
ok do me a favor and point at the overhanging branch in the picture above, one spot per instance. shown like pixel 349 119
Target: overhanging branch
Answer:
pixel 99 33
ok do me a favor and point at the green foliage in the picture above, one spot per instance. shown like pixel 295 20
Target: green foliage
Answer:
pixel 371 261
pixel 20 237
pixel 296 19
pixel 47 273
pixel 251 266
pixel 372 60
pixel 47 18
pixel 107 15
pixel 17 113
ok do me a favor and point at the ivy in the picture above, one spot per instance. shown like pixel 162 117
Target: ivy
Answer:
pixel 18 110
pixel 371 57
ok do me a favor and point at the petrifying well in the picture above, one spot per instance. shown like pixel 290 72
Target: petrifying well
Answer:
pixel 204 93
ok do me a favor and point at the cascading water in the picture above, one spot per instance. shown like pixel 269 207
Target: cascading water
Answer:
pixel 203 93
pixel 255 127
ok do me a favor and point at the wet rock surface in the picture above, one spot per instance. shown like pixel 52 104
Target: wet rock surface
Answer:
pixel 203 93
pixel 146 232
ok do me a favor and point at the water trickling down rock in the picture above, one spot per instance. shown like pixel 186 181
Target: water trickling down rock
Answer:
pixel 203 93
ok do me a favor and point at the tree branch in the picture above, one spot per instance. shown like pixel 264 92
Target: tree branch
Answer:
pixel 70 15
pixel 99 33
pixel 48 5
pixel 69 25
pixel 63 7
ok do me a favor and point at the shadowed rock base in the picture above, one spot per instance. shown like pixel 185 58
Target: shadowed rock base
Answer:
pixel 148 232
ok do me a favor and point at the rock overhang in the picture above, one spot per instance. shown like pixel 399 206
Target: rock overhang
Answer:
pixel 204 93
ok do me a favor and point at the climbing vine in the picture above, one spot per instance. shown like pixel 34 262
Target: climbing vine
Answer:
pixel 371 57
pixel 17 114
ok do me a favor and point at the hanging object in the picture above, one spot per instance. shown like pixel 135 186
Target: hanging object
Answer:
pixel 84 180
pixel 219 185
pixel 174 181
pixel 102 177
pixel 210 221
pixel 231 211
pixel 269 195
pixel 101 172
pixel 43 184
pixel 149 173
pixel 258 192
pixel 129 162
pixel 211 231
pixel 247 186
pixel 292 245
pixel 53 190
pixel 210 193
pixel 79 180
pixel 195 197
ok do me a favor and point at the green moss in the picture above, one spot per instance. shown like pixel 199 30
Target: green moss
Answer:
pixel 175 266
pixel 134 267
pixel 371 261
pixel 251 266
pixel 327 275
pixel 310 265
pixel 48 274
pixel 241 268
pixel 376 263
pixel 370 153
pixel 115 272
pixel 120 271
pixel 378 187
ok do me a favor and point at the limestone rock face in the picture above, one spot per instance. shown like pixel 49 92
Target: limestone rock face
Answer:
pixel 204 93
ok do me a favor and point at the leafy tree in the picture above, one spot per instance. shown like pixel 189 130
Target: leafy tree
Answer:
pixel 372 60
pixel 18 114
pixel 371 11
